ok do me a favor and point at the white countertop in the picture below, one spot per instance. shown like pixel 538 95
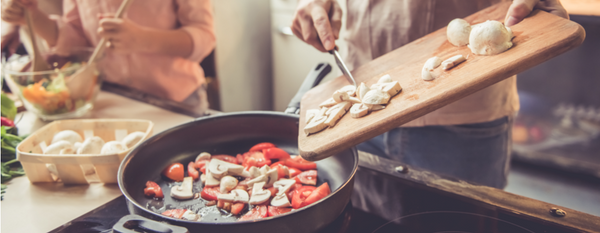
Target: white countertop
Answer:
pixel 42 207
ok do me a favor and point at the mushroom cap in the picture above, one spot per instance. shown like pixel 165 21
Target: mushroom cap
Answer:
pixel 56 147
pixel 67 135
pixel 113 147
pixel 228 183
pixel 91 145
pixel 133 138
pixel 458 31
pixel 489 38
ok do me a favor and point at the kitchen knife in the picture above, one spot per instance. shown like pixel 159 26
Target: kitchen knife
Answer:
pixel 343 67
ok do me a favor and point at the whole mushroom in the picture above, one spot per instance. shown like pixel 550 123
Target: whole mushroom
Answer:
pixel 489 38
pixel 91 145
pixel 67 135
pixel 458 31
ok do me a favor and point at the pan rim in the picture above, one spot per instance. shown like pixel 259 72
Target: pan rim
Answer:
pixel 132 153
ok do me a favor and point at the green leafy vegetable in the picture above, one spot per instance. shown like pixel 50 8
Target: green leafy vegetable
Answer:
pixel 8 108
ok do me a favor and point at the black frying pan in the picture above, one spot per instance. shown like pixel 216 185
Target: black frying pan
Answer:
pixel 231 134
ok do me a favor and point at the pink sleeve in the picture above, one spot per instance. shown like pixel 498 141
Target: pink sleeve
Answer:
pixel 70 29
pixel 196 18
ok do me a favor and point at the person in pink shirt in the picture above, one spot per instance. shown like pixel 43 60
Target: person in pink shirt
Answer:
pixel 156 47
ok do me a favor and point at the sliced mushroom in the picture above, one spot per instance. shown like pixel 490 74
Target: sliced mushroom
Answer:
pixel 219 168
pixel 328 103
pixel 113 147
pixel 190 216
pixel 259 195
pixel 203 156
pixel 375 107
pixel 236 195
pixel 354 100
pixel 429 66
pixel 67 135
pixel 317 124
pixel 254 172
pixel 271 177
pixel 350 89
pixel 359 110
pixel 258 179
pixel 227 184
pixel 362 90
pixel 337 112
pixel 376 96
pixel 264 169
pixel 280 200
pixel 183 191
pixel 91 145
pixel 133 138
pixel 310 114
pixel 210 180
pixel 340 96
pixel 284 185
pixel 385 79
pixel 392 88
pixel 452 62
pixel 56 147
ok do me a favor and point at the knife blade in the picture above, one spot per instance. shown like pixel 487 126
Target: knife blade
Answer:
pixel 343 67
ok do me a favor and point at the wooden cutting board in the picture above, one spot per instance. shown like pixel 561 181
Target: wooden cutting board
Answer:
pixel 538 38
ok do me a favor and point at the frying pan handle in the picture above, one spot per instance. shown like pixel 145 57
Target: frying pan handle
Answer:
pixel 312 80
pixel 129 224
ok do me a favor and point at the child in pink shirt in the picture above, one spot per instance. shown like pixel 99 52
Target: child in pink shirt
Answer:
pixel 156 47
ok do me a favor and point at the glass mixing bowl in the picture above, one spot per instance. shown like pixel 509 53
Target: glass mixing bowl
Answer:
pixel 46 93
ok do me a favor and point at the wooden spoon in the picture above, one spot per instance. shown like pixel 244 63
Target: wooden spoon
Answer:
pixel 38 63
pixel 80 83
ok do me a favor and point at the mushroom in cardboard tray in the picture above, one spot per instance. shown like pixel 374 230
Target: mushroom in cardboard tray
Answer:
pixel 133 138
pixel 67 135
pixel 91 145
pixel 113 147
pixel 56 147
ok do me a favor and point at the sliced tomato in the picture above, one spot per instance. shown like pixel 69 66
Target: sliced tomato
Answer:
pixel 290 193
pixel 175 213
pixel 274 211
pixel 273 191
pixel 300 195
pixel 259 211
pixel 201 164
pixel 153 190
pixel 294 171
pixel 256 159
pixel 174 172
pixel 192 171
pixel 275 164
pixel 275 153
pixel 300 163
pixel 307 177
pixel 319 193
pixel 237 208
pixel 261 146
pixel 240 158
pixel 226 158
pixel 210 193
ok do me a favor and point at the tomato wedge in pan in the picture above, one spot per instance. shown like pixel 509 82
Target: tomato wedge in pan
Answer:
pixel 307 177
pixel 274 211
pixel 280 170
pixel 174 213
pixel 294 171
pixel 237 208
pixel 226 158
pixel 201 165
pixel 261 146
pixel 192 170
pixel 275 153
pixel 317 194
pixel 210 193
pixel 300 163
pixel 259 211
pixel 153 190
pixel 290 194
pixel 174 172
pixel 256 159
pixel 300 195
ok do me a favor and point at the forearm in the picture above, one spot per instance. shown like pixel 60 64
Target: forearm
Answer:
pixel 169 42
pixel 44 27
